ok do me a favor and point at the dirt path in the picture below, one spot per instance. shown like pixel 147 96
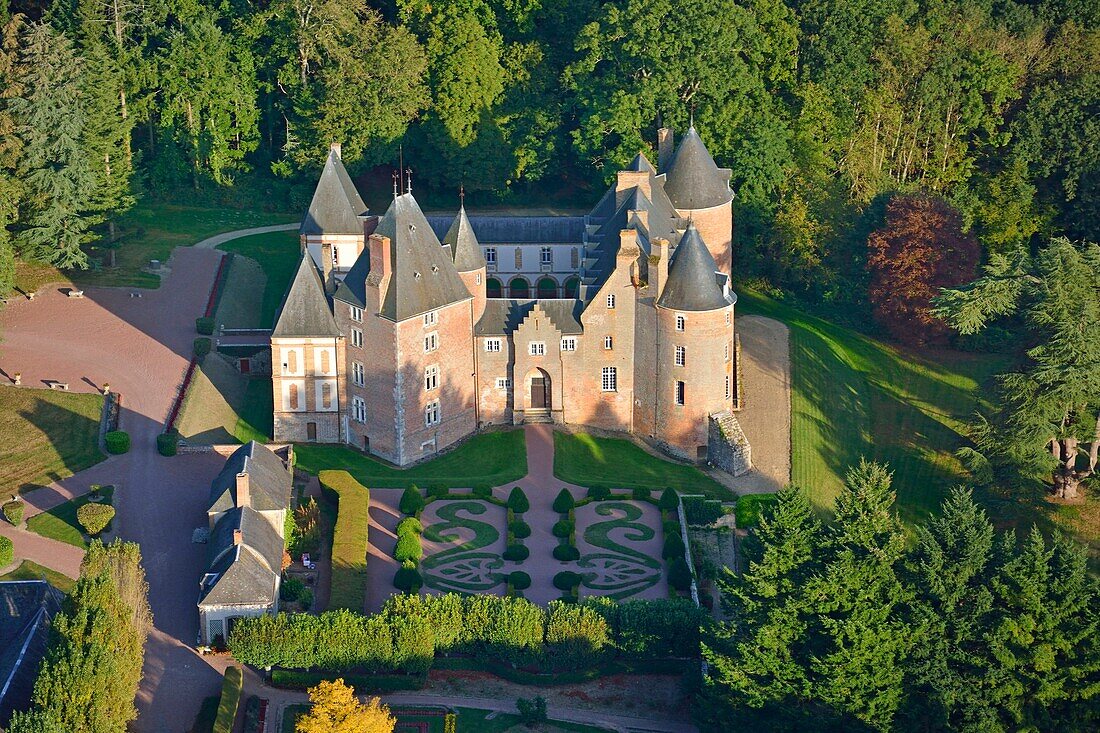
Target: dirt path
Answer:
pixel 219 239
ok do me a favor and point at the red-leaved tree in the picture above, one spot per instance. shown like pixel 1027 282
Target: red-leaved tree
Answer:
pixel 920 249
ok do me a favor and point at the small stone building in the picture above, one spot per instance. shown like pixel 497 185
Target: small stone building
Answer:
pixel 248 505
pixel 621 320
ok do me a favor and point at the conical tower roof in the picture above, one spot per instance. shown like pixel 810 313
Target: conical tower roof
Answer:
pixel 305 310
pixel 464 245
pixel 693 180
pixel 693 277
pixel 336 205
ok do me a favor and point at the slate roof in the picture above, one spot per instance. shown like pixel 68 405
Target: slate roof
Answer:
pixel 519 229
pixel 423 277
pixel 693 281
pixel 269 482
pixel 27 608
pixel 465 250
pixel 502 316
pixel 305 310
pixel 243 574
pixel 336 205
pixel 693 181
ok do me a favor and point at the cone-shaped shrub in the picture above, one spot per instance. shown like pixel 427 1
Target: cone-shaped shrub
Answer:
pixel 669 501
pixel 564 501
pixel 411 501
pixel 517 501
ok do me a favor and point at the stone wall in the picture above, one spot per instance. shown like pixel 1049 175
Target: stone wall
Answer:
pixel 727 446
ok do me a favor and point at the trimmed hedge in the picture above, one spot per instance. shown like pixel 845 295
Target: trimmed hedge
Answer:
pixel 13 512
pixel 204 325
pixel 437 491
pixel 7 551
pixel 118 441
pixel 412 501
pixel 701 510
pixel 409 525
pixel 668 501
pixel 296 679
pixel 641 493
pixel 349 540
pixel 168 443
pixel 408 549
pixel 519 580
pixel 516 553
pixel 201 347
pixel 517 501
pixel 566 553
pixel 673 547
pixel 95 518
pixel 564 501
pixel 230 700
pixel 567 580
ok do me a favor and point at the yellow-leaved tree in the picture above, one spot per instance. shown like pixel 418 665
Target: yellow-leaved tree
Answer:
pixel 336 710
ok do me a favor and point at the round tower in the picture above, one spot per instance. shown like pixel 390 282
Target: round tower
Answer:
pixel 694 371
pixel 468 259
pixel 700 191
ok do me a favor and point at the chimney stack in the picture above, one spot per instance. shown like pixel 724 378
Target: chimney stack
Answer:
pixel 327 278
pixel 662 250
pixel 243 497
pixel 335 147
pixel 665 145
pixel 238 537
pixel 380 257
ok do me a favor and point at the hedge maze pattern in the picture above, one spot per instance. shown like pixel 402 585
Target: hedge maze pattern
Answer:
pixel 620 571
pixel 464 566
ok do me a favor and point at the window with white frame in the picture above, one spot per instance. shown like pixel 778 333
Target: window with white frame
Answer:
pixel 492 345
pixel 608 342
pixel 358 374
pixel 504 383
pixel 727 386
pixel 680 390
pixel 431 318
pixel 546 256
pixel 727 318
pixel 569 343
pixel 431 341
pixel 609 379
pixel 725 352
pixel 358 409
pixel 356 314
pixel 431 414
pixel 431 377
pixel 681 356
pixel 610 300
pixel 477 279
pixel 680 323
pixel 536 348
pixel 491 256
pixel 357 338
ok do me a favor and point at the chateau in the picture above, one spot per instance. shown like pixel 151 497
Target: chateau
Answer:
pixel 402 334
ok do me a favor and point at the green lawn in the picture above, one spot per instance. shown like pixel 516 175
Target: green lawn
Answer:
pixel 489 459
pixel 46 436
pixel 348 587
pixel 853 396
pixel 586 460
pixel 254 421
pixel 278 255
pixel 28 570
pixel 60 522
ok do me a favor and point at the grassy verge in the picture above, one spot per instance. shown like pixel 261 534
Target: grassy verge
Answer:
pixel 60 523
pixel 28 570
pixel 254 419
pixel 46 436
pixel 489 459
pixel 587 460
pixel 853 396
pixel 278 254
pixel 349 540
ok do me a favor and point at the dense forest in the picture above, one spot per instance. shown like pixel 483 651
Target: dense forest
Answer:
pixel 823 109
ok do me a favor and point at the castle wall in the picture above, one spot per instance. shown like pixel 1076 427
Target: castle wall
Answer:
pixel 307 389
pixel 715 226
pixel 494 400
pixel 537 328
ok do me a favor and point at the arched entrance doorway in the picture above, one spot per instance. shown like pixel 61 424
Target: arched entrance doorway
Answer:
pixel 519 288
pixel 546 288
pixel 493 288
pixel 538 391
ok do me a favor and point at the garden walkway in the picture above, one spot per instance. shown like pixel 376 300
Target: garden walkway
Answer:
pixel 219 239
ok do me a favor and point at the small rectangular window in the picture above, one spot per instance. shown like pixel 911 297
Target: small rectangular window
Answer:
pixel 681 356
pixel 358 409
pixel 431 377
pixel 546 256
pixel 431 342
pixel 492 345
pixel 431 414
pixel 357 374
pixel 357 338
pixel 610 300
pixel 431 318
pixel 326 395
pixel 725 352
pixel 727 318
pixel 727 386
pixel 609 381
pixel 356 314
pixel 503 383
pixel 490 255
pixel 679 393
pixel 536 348
pixel 335 255
pixel 569 343
pixel 608 342
pixel 680 322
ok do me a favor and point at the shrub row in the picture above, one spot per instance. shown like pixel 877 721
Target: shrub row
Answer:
pixel 408 552
pixel 296 679
pixel 7 551
pixel 349 539
pixel 230 700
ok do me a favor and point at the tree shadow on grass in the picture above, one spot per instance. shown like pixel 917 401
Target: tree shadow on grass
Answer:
pixel 71 437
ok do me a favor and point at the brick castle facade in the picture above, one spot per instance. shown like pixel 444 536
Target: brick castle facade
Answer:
pixel 403 334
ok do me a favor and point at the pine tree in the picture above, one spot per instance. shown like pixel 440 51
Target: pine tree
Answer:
pixel 57 178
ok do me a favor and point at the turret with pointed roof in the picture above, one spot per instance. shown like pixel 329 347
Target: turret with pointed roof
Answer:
pixel 305 310
pixel 693 180
pixel 465 248
pixel 336 207
pixel 694 283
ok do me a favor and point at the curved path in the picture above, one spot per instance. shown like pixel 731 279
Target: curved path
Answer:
pixel 219 239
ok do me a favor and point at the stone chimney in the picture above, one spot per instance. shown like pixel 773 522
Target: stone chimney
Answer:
pixel 243 496
pixel 380 270
pixel 326 267
pixel 238 537
pixel 335 147
pixel 661 250
pixel 665 146
pixel 627 180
